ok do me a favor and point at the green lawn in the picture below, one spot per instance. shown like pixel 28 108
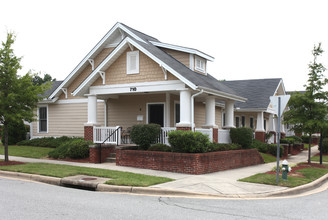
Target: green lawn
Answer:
pixel 317 158
pixel 310 174
pixel 268 158
pixel 118 177
pixel 27 151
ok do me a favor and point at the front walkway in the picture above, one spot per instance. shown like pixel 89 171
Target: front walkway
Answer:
pixel 219 183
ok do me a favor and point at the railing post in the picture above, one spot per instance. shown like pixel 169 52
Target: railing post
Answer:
pixel 118 137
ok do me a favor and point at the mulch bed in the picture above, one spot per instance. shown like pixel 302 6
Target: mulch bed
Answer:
pixel 85 160
pixel 3 163
pixel 294 172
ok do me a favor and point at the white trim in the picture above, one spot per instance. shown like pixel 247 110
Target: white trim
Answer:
pixel 102 75
pixel 38 121
pixel 191 62
pixel 157 86
pixel 92 63
pixel 223 94
pixel 241 121
pixel 223 119
pixel 154 103
pixel 143 50
pixel 251 117
pixel 65 92
pixel 98 45
pixel 76 101
pixel 183 49
pixel 129 56
pixel 201 61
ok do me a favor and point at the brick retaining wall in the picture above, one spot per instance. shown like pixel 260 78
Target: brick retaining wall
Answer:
pixel 105 151
pixel 188 163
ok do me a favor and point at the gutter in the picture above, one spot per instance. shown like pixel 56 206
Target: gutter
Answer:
pixel 223 94
pixel 48 101
pixel 192 107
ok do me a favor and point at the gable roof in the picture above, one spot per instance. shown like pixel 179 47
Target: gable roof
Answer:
pixel 145 43
pixel 257 92
pixel 54 86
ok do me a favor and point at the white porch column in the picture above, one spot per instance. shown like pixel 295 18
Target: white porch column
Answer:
pixel 282 127
pixel 167 110
pixel 229 113
pixel 185 109
pixel 210 112
pixel 260 122
pixel 92 109
pixel 272 127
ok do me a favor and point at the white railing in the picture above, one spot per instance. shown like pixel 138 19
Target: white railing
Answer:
pixel 164 138
pixel 224 136
pixel 107 135
pixel 206 131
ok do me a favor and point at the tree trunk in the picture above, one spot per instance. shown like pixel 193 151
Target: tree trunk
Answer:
pixel 5 133
pixel 310 142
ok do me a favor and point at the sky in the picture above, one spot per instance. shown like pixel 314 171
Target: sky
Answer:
pixel 249 39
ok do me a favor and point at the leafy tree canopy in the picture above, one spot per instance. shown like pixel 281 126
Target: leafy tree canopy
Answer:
pixel 37 80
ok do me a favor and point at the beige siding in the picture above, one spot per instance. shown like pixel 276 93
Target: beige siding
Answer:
pixel 68 119
pixel 199 114
pixel 84 74
pixel 218 117
pixel 180 56
pixel 148 71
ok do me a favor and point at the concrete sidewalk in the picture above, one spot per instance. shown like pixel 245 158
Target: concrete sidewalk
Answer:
pixel 223 183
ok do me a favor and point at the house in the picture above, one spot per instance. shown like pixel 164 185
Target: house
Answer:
pixel 130 78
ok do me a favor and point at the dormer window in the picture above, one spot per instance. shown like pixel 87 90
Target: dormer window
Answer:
pixel 200 65
pixel 132 62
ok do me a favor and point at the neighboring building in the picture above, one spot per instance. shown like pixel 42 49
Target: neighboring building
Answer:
pixel 130 78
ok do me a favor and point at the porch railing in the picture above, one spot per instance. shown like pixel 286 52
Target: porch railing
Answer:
pixel 224 136
pixel 163 137
pixel 107 135
pixel 206 131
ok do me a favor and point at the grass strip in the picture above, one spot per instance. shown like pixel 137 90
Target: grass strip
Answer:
pixel 310 174
pixel 268 158
pixel 317 158
pixel 118 177
pixel 27 151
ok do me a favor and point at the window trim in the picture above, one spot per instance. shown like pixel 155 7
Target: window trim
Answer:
pixel 128 61
pixel 155 103
pixel 175 112
pixel 241 122
pixel 251 119
pixel 223 119
pixel 47 120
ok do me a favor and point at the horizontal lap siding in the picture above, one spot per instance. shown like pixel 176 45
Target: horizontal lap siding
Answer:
pixel 69 119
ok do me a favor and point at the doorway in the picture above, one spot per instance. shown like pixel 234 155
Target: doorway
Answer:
pixel 156 114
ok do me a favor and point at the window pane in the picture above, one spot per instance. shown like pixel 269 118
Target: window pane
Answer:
pixel 177 113
pixel 43 119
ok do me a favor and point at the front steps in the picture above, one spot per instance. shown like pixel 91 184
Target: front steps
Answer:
pixel 111 158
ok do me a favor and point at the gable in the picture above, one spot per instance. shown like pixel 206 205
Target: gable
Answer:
pixel 116 73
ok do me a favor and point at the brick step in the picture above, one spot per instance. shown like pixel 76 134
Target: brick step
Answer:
pixel 110 160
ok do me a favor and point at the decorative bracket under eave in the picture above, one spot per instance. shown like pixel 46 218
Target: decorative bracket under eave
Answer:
pixel 65 92
pixel 102 74
pixel 164 71
pixel 131 46
pixel 92 62
pixel 122 33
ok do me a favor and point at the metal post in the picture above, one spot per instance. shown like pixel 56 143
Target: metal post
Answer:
pixel 278 142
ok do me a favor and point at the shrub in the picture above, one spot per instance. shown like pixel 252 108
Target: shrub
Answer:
pixel 272 149
pixel 291 140
pixel 325 146
pixel 145 134
pixel 16 132
pixel 260 146
pixel 75 149
pixel 188 142
pixel 242 136
pixel 160 147
pixel 305 139
pixel 223 147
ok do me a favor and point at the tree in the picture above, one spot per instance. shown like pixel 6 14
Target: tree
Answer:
pixel 18 95
pixel 37 80
pixel 307 110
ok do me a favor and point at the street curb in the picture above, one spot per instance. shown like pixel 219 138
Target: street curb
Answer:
pixel 167 192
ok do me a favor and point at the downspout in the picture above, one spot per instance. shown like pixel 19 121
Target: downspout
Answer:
pixel 192 107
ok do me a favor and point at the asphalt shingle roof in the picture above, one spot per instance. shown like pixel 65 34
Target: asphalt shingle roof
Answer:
pixel 257 92
pixel 54 86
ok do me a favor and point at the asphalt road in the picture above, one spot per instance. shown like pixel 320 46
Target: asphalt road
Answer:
pixel 29 200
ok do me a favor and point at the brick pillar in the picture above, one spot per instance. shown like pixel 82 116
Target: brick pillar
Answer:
pixel 282 135
pixel 106 150
pixel 88 133
pixel 260 135
pixel 215 135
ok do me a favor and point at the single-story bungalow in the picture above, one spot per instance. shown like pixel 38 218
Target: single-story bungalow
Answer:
pixel 132 78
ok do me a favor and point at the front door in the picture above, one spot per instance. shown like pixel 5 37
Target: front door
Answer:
pixel 156 114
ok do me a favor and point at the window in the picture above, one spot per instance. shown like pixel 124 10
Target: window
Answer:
pixel 251 123
pixel 243 121
pixel 200 65
pixel 265 125
pixel 177 113
pixel 223 119
pixel 237 122
pixel 132 62
pixel 43 119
